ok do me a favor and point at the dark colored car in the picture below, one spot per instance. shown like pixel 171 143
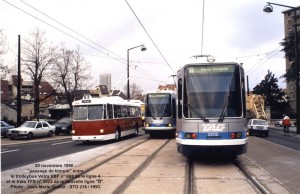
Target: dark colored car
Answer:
pixel 5 127
pixel 63 125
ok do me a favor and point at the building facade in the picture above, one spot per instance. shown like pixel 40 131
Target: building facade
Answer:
pixel 289 27
pixel 105 79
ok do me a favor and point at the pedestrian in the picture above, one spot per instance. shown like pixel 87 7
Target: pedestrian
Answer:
pixel 286 122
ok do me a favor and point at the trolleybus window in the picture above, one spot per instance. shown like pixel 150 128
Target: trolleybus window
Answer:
pixel 89 112
pixel 159 105
pixel 212 91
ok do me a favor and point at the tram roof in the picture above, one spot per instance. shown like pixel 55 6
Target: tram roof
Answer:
pixel 161 91
pixel 106 100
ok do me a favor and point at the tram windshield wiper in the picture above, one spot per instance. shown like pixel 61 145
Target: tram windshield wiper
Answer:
pixel 197 113
pixel 224 109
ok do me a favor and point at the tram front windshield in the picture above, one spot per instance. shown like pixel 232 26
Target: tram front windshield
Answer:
pixel 212 91
pixel 158 105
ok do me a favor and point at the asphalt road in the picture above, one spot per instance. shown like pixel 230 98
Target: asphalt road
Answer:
pixel 16 155
pixel 277 136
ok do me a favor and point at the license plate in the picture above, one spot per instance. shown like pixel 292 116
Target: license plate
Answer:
pixel 157 121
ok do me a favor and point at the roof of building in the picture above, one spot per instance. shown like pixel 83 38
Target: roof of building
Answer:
pixel 4 90
pixel 119 93
pixel 104 89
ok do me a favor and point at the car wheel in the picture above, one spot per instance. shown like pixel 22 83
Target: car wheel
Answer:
pixel 29 136
pixel 50 133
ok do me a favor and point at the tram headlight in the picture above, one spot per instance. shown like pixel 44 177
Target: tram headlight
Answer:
pixel 238 135
pixel 147 125
pixel 101 130
pixel 73 132
pixel 169 125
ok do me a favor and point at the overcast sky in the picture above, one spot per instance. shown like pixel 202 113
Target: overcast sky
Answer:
pixel 233 30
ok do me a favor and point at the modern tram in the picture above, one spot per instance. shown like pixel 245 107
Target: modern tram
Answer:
pixel 99 119
pixel 160 112
pixel 211 109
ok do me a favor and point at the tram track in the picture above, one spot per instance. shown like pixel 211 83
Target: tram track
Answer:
pixel 148 165
pixel 192 187
pixel 250 177
pixel 135 173
pixel 55 188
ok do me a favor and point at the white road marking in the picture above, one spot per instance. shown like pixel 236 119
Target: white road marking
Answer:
pixel 9 151
pixel 62 142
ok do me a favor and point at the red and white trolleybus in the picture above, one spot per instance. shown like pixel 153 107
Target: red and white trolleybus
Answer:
pixel 98 119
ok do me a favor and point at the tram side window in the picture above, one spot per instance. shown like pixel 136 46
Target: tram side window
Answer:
pixel 109 111
pixel 117 111
pixel 179 93
pixel 124 111
pixel 131 111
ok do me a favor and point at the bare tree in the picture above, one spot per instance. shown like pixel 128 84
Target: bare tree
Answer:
pixel 135 90
pixel 4 69
pixel 38 57
pixel 71 72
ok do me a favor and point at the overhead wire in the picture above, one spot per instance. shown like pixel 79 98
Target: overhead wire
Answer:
pixel 262 61
pixel 120 59
pixel 149 36
pixel 71 29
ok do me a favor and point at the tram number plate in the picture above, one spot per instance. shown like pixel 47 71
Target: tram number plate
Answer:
pixel 213 134
pixel 157 121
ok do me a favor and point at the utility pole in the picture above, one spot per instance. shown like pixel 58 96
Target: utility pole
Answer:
pixel 19 104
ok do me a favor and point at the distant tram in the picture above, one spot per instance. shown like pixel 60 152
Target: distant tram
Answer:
pixel 160 112
pixel 211 111
pixel 98 119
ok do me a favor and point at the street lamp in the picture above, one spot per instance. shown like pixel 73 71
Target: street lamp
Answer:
pixel 268 9
pixel 143 48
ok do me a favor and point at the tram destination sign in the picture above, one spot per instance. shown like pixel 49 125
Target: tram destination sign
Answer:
pixel 211 69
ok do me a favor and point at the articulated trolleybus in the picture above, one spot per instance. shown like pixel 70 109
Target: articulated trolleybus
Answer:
pixel 160 112
pixel 211 109
pixel 97 119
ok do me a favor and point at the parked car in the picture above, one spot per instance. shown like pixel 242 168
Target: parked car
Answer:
pixel 5 127
pixel 258 126
pixel 278 123
pixel 63 125
pixel 32 129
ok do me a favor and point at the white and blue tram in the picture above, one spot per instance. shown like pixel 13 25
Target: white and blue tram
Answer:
pixel 211 109
pixel 160 112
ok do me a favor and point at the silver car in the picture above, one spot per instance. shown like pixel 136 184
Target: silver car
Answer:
pixel 258 126
pixel 31 129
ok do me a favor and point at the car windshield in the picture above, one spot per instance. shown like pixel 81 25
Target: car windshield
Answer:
pixel 29 124
pixel 259 122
